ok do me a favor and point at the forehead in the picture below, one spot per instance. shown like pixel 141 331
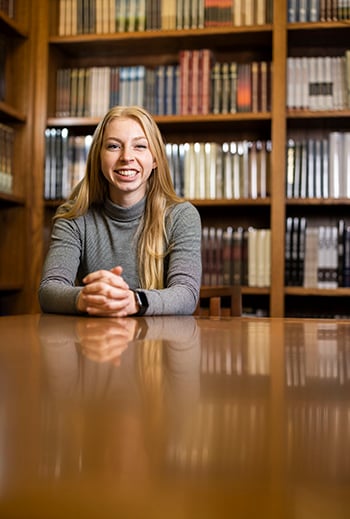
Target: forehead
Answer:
pixel 124 126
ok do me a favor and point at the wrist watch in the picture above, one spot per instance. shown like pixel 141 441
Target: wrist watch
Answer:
pixel 141 301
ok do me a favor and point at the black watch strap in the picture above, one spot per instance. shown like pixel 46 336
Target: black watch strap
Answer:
pixel 142 302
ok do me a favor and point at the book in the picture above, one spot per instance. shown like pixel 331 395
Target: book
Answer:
pixel 311 257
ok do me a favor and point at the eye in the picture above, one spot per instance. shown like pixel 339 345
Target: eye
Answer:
pixel 113 146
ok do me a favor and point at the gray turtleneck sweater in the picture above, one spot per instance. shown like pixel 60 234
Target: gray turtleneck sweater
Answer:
pixel 104 238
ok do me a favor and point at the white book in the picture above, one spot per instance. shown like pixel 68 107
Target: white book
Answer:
pixel 131 15
pixel 200 14
pixel 260 18
pixel 298 86
pixel 318 168
pixel 346 164
pixel 311 257
pixel 314 10
pixel 194 14
pixel 290 83
pixel 304 94
pixel 72 16
pixel 290 167
pixel 302 11
pixel 210 149
pixel 252 257
pixel 227 167
pixel 105 16
pixel 347 73
pixel 99 13
pixel 62 26
pixel 310 189
pixel 325 168
pixel 111 16
pixel 236 184
pixel 312 84
pixel 237 13
pixel 165 16
pixel 267 258
pixel 199 153
pixel 253 168
pixel 328 83
pixel 335 165
pixel 189 171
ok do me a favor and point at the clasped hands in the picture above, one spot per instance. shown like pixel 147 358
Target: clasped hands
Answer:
pixel 107 294
pixel 105 340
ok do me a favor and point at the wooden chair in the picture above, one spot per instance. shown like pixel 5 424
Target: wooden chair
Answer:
pixel 215 295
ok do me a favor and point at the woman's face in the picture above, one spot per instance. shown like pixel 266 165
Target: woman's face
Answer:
pixel 126 161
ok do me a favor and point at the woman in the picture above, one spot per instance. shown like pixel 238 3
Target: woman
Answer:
pixel 124 243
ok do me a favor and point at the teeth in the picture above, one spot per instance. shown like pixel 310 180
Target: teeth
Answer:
pixel 127 173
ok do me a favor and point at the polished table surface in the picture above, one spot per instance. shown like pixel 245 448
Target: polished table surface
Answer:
pixel 174 417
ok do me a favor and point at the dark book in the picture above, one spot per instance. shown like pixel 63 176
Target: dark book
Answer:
pixel 288 251
pixel 227 255
pixel 301 252
pixel 341 250
pixel 237 255
pixel 346 270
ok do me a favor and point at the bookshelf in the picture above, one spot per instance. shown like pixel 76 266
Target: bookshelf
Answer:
pixel 19 196
pixel 275 42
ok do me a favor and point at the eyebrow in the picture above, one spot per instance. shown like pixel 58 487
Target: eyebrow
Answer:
pixel 141 137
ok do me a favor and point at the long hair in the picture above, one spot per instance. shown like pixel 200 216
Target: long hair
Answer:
pixel 153 245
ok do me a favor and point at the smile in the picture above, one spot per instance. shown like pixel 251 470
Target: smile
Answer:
pixel 127 172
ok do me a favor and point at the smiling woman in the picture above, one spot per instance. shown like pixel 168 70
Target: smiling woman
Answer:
pixel 124 243
pixel 126 161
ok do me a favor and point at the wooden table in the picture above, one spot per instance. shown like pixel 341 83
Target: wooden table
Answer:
pixel 174 417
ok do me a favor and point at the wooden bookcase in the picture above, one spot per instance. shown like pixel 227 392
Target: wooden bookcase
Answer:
pixel 20 210
pixel 275 41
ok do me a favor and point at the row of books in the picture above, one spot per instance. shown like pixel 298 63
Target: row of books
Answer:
pixel 201 170
pixel 318 10
pixel 110 16
pixel 318 166
pixel 317 257
pixel 193 86
pixel 236 256
pixel 6 157
pixel 65 160
pixel 232 358
pixel 318 82
pixel 317 354
pixel 231 170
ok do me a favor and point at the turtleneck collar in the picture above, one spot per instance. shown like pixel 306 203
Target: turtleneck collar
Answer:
pixel 126 214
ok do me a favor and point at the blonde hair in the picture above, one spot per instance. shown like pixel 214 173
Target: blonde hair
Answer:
pixel 153 245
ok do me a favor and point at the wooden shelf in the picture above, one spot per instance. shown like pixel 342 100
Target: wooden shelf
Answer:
pixel 322 292
pixel 160 42
pixel 10 199
pixel 11 27
pixel 8 113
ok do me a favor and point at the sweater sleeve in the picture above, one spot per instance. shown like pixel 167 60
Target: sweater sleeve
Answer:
pixel 184 269
pixel 57 290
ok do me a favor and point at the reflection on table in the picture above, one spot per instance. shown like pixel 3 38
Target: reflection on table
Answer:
pixel 174 417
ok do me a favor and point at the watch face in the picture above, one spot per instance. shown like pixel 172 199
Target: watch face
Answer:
pixel 142 302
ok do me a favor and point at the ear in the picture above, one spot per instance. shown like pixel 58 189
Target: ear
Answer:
pixel 154 165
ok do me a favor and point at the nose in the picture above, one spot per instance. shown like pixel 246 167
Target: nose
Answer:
pixel 126 154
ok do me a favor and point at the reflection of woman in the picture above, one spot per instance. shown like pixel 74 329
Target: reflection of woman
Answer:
pixel 117 352
pixel 107 383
